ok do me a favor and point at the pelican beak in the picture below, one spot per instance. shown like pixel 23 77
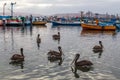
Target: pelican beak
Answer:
pixel 73 61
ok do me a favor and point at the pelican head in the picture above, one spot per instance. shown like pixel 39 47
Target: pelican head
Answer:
pixel 58 32
pixel 38 35
pixel 59 47
pixel 21 50
pixel 76 58
pixel 100 42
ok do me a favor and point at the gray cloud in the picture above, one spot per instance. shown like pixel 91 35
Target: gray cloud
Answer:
pixel 62 6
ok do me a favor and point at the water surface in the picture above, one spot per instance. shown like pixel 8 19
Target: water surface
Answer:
pixel 73 40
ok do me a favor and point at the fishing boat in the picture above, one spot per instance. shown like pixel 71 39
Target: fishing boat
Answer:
pixel 39 22
pixel 97 27
pixel 11 22
pixel 55 23
pixel 1 22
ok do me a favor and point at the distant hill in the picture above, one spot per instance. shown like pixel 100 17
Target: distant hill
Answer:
pixel 22 14
pixel 67 14
pixel 63 14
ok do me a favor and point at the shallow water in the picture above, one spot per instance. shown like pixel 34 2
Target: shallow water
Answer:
pixel 73 40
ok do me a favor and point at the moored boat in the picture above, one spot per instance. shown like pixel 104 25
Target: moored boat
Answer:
pixel 54 23
pixel 98 27
pixel 1 22
pixel 13 22
pixel 39 22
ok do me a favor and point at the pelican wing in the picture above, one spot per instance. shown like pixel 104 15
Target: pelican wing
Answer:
pixel 84 63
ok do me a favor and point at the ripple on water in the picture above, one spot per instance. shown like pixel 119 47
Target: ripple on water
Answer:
pixel 73 40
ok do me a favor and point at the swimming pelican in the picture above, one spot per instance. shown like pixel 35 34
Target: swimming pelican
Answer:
pixel 83 63
pixel 56 36
pixel 38 39
pixel 98 48
pixel 18 57
pixel 55 54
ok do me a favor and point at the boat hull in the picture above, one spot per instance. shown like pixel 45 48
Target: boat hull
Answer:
pixel 14 24
pixel 97 27
pixel 39 23
pixel 1 22
pixel 65 24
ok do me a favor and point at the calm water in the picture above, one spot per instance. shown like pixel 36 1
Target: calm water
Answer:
pixel 73 40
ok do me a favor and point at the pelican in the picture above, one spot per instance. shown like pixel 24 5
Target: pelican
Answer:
pixel 18 57
pixel 54 54
pixel 38 39
pixel 83 63
pixel 98 47
pixel 56 36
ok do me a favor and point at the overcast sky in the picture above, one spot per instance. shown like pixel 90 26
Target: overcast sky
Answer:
pixel 49 7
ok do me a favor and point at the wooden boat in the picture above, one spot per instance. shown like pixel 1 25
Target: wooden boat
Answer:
pixel 98 27
pixel 1 22
pixel 66 23
pixel 39 22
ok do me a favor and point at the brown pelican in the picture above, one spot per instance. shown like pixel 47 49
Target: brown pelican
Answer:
pixel 98 48
pixel 38 39
pixel 82 63
pixel 56 36
pixel 54 54
pixel 18 57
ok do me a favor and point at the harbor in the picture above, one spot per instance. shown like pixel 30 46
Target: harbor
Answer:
pixel 49 40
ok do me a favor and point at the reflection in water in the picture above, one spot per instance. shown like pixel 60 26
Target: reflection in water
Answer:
pixel 38 45
pixel 58 27
pixel 59 60
pixel 17 64
pixel 58 40
pixel 114 34
pixel 99 53
pixel 4 30
pixel 36 66
pixel 40 26
pixel 95 32
pixel 75 72
pixel 12 38
pixel 83 69
pixel 23 30
pixel 31 28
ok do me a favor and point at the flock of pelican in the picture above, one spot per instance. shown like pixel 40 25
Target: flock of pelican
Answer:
pixel 57 55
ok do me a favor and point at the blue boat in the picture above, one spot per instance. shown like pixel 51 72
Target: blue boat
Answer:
pixel 54 23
